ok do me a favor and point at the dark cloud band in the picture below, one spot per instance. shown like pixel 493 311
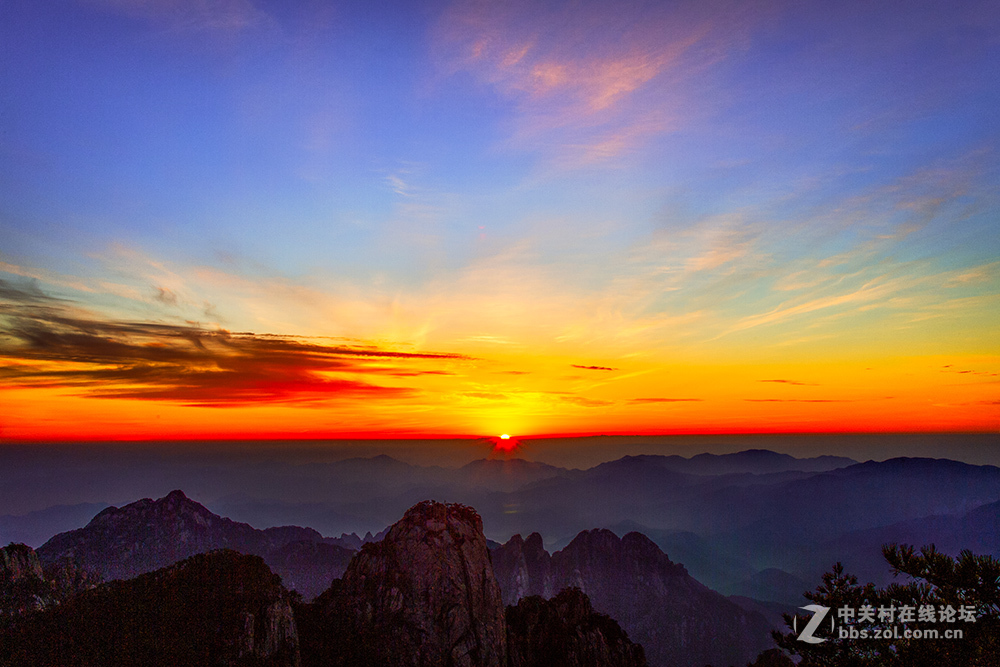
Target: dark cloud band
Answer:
pixel 51 344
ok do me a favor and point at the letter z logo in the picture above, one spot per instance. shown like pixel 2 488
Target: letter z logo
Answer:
pixel 819 613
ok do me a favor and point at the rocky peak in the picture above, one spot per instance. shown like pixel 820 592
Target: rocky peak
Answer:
pixel 26 587
pixel 19 562
pixel 175 508
pixel 566 632
pixel 433 518
pixel 534 544
pixel 641 546
pixel 600 559
pixel 523 568
pixel 426 594
pixel 676 619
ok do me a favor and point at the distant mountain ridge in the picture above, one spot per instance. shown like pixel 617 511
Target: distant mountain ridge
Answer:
pixel 752 461
pixel 677 620
pixel 726 528
pixel 121 543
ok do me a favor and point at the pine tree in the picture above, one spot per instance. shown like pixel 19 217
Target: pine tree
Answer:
pixel 869 625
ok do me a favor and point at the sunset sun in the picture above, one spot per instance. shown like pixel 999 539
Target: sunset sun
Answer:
pixel 505 445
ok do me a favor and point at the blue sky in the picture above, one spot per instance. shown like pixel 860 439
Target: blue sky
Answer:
pixel 758 182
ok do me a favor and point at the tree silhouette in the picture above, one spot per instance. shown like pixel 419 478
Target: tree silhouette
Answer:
pixel 896 625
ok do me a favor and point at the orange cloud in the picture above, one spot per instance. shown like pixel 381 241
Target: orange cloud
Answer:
pixel 46 343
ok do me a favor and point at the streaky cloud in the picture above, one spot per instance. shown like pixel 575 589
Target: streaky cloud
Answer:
pixel 51 344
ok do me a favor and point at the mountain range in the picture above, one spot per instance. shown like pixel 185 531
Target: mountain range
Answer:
pixel 757 526
pixel 677 620
pixel 628 579
pixel 426 594
pixel 122 543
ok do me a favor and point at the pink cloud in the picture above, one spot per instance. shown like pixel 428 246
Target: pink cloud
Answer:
pixel 596 79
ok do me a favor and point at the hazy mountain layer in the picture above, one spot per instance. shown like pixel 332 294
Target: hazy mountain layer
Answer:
pixel 150 534
pixel 726 517
pixel 677 620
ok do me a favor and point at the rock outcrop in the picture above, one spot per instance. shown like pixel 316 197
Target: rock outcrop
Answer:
pixel 26 587
pixel 19 562
pixel 523 568
pixel 221 608
pixel 425 595
pixel 23 588
pixel 566 632
pixel 677 620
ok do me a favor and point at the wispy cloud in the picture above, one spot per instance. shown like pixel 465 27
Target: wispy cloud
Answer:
pixel 202 15
pixel 48 342
pixel 797 400
pixel 587 402
pixel 487 396
pixel 591 80
pixel 794 382
pixel 593 368
pixel 664 400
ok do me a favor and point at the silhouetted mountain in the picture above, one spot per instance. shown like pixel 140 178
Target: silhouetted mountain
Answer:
pixel 427 595
pixel 523 568
pixel 754 461
pixel 676 619
pixel 327 518
pixel 150 534
pixel 566 632
pixel 724 527
pixel 353 542
pixel 866 495
pixel 701 558
pixel 221 608
pixel 506 475
pixel 861 551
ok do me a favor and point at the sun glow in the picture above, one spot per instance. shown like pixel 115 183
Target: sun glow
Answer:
pixel 505 445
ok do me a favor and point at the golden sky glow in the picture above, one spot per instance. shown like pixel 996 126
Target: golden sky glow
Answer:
pixel 523 218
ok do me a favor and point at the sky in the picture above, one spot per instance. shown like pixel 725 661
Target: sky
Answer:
pixel 239 218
